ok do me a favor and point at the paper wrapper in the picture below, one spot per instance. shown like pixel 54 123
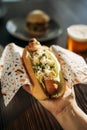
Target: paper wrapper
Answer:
pixel 13 74
pixel 74 67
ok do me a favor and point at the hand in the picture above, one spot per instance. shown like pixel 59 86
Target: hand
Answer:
pixel 56 106
pixel 66 111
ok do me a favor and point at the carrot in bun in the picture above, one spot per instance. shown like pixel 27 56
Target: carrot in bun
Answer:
pixel 44 71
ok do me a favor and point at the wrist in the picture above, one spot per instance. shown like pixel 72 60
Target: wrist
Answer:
pixel 72 118
pixel 67 109
pixel 65 104
pixel 65 116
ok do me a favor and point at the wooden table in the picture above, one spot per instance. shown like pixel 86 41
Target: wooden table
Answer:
pixel 24 112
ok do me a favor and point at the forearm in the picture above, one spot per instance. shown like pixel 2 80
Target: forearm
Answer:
pixel 72 118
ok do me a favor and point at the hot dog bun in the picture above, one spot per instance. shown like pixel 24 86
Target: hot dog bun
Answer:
pixel 44 71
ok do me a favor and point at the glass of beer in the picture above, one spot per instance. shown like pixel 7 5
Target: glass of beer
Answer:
pixel 77 39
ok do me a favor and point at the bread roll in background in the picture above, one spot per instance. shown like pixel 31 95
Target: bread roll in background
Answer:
pixel 37 22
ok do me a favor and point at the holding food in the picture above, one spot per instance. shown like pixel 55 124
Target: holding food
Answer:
pixel 43 65
pixel 44 71
pixel 37 22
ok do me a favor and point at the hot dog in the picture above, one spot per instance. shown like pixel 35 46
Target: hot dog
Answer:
pixel 44 71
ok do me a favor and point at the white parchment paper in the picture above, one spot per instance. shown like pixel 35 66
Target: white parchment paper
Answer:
pixel 13 74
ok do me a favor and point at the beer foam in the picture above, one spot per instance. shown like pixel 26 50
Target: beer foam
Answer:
pixel 78 32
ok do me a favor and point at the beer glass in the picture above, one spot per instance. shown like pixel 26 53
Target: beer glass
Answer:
pixel 77 39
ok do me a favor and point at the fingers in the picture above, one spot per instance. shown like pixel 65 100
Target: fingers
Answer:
pixel 67 92
pixel 59 104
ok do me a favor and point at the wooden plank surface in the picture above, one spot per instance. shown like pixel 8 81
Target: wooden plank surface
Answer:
pixel 24 112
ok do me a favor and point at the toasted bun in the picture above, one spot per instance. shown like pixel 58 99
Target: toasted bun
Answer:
pixel 36 89
pixel 37 22
pixel 37 16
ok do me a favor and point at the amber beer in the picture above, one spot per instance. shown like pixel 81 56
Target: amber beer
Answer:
pixel 77 38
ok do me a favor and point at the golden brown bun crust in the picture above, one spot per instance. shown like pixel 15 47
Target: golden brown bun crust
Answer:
pixel 37 16
pixel 37 22
pixel 36 90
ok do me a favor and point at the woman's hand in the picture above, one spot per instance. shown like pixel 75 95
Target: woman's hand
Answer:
pixel 66 111
pixel 56 106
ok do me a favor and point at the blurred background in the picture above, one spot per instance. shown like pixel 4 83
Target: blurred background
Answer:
pixel 63 12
